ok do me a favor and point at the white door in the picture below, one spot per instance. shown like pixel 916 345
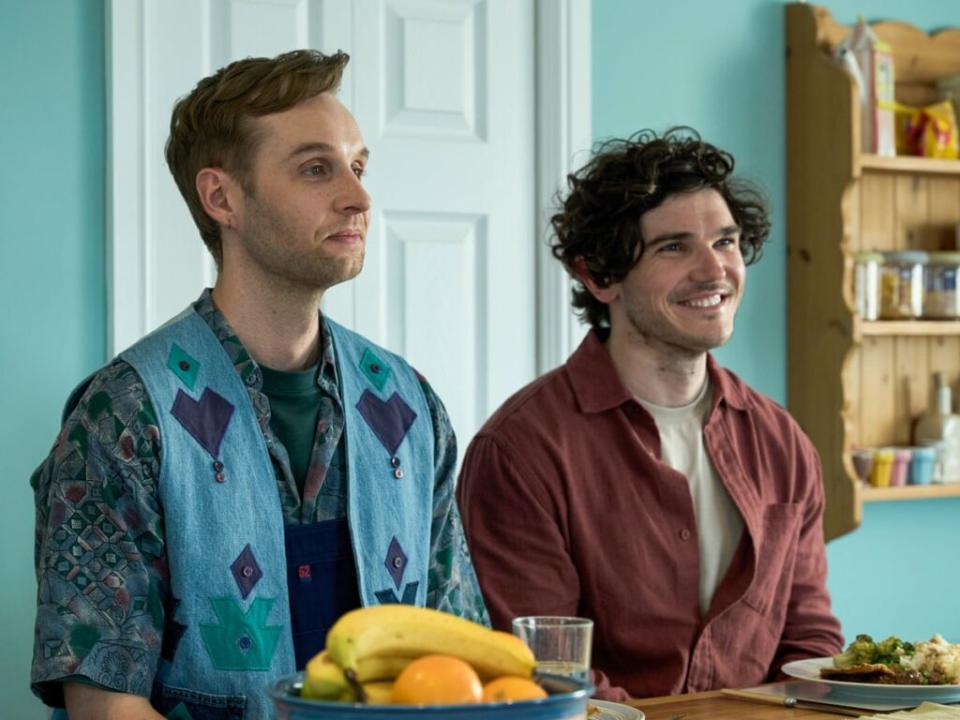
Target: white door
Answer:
pixel 445 94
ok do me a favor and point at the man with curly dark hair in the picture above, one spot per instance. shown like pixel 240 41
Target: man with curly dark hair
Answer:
pixel 641 484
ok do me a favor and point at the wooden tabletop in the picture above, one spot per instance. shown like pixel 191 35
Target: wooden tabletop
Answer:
pixel 715 706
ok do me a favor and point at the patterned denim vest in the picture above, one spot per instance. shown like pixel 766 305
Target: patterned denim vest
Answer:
pixel 227 632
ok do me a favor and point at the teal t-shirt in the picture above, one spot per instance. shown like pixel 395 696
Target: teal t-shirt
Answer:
pixel 294 409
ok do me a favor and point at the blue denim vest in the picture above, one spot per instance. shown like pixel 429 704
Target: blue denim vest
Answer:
pixel 227 631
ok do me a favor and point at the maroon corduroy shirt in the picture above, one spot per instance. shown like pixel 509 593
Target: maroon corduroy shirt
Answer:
pixel 569 511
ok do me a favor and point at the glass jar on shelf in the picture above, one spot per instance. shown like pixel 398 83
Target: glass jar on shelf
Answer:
pixel 940 279
pixel 901 285
pixel 866 284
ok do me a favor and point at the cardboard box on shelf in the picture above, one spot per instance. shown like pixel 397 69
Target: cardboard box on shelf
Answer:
pixel 875 62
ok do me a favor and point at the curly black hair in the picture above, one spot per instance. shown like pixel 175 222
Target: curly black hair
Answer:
pixel 599 222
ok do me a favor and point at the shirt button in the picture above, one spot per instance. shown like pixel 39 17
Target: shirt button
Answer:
pixel 398 473
pixel 397 562
pixel 684 534
pixel 247 571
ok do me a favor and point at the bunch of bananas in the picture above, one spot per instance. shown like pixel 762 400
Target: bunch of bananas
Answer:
pixel 368 648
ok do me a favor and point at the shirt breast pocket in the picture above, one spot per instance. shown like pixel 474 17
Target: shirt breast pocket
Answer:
pixel 776 556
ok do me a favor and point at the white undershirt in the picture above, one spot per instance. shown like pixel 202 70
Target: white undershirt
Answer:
pixel 719 524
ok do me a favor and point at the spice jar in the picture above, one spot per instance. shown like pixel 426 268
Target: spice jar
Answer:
pixel 921 465
pixel 866 284
pixel 882 465
pixel 901 285
pixel 863 463
pixel 898 470
pixel 940 273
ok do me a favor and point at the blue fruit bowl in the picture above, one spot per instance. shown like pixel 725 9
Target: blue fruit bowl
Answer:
pixel 566 700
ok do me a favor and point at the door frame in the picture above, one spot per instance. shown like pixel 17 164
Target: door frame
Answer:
pixel 563 132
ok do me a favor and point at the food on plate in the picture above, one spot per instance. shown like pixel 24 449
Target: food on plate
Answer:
pixel 893 661
pixel 400 654
pixel 861 672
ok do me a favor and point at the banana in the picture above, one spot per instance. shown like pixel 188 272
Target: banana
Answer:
pixel 378 693
pixel 324 679
pixel 408 631
pixel 385 667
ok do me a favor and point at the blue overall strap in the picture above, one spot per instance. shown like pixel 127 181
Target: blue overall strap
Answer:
pixel 321 581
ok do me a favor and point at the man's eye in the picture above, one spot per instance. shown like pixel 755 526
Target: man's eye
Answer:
pixel 316 170
pixel 669 247
pixel 359 171
pixel 728 241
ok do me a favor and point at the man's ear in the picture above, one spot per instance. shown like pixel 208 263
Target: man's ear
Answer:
pixel 217 191
pixel 603 294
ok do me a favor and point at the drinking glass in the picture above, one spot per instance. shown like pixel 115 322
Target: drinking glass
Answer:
pixel 560 645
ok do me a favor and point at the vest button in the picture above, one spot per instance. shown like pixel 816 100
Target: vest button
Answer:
pixel 684 534
pixel 398 473
pixel 395 461
pixel 217 466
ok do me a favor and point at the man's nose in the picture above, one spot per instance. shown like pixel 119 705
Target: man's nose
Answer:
pixel 353 197
pixel 709 265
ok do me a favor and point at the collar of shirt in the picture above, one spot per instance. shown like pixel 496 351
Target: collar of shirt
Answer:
pixel 598 387
pixel 246 366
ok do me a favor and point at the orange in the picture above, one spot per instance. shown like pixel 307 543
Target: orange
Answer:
pixel 509 689
pixel 437 680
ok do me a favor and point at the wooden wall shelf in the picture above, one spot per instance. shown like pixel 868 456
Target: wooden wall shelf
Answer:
pixel 904 328
pixel 904 164
pixel 909 492
pixel 851 383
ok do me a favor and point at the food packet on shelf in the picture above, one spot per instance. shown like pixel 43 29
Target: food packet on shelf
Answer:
pixel 929 131
pixel 874 59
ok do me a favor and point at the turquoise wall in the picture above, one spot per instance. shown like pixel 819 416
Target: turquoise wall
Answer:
pixel 720 68
pixel 716 66
pixel 51 274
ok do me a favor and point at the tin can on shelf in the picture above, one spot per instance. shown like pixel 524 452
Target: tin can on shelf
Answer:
pixel 866 284
pixel 941 299
pixel 901 285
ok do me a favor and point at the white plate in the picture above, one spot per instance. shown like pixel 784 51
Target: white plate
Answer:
pixel 614 711
pixel 810 670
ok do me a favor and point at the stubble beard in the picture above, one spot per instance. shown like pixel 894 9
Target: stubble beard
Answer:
pixel 272 243
pixel 658 332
